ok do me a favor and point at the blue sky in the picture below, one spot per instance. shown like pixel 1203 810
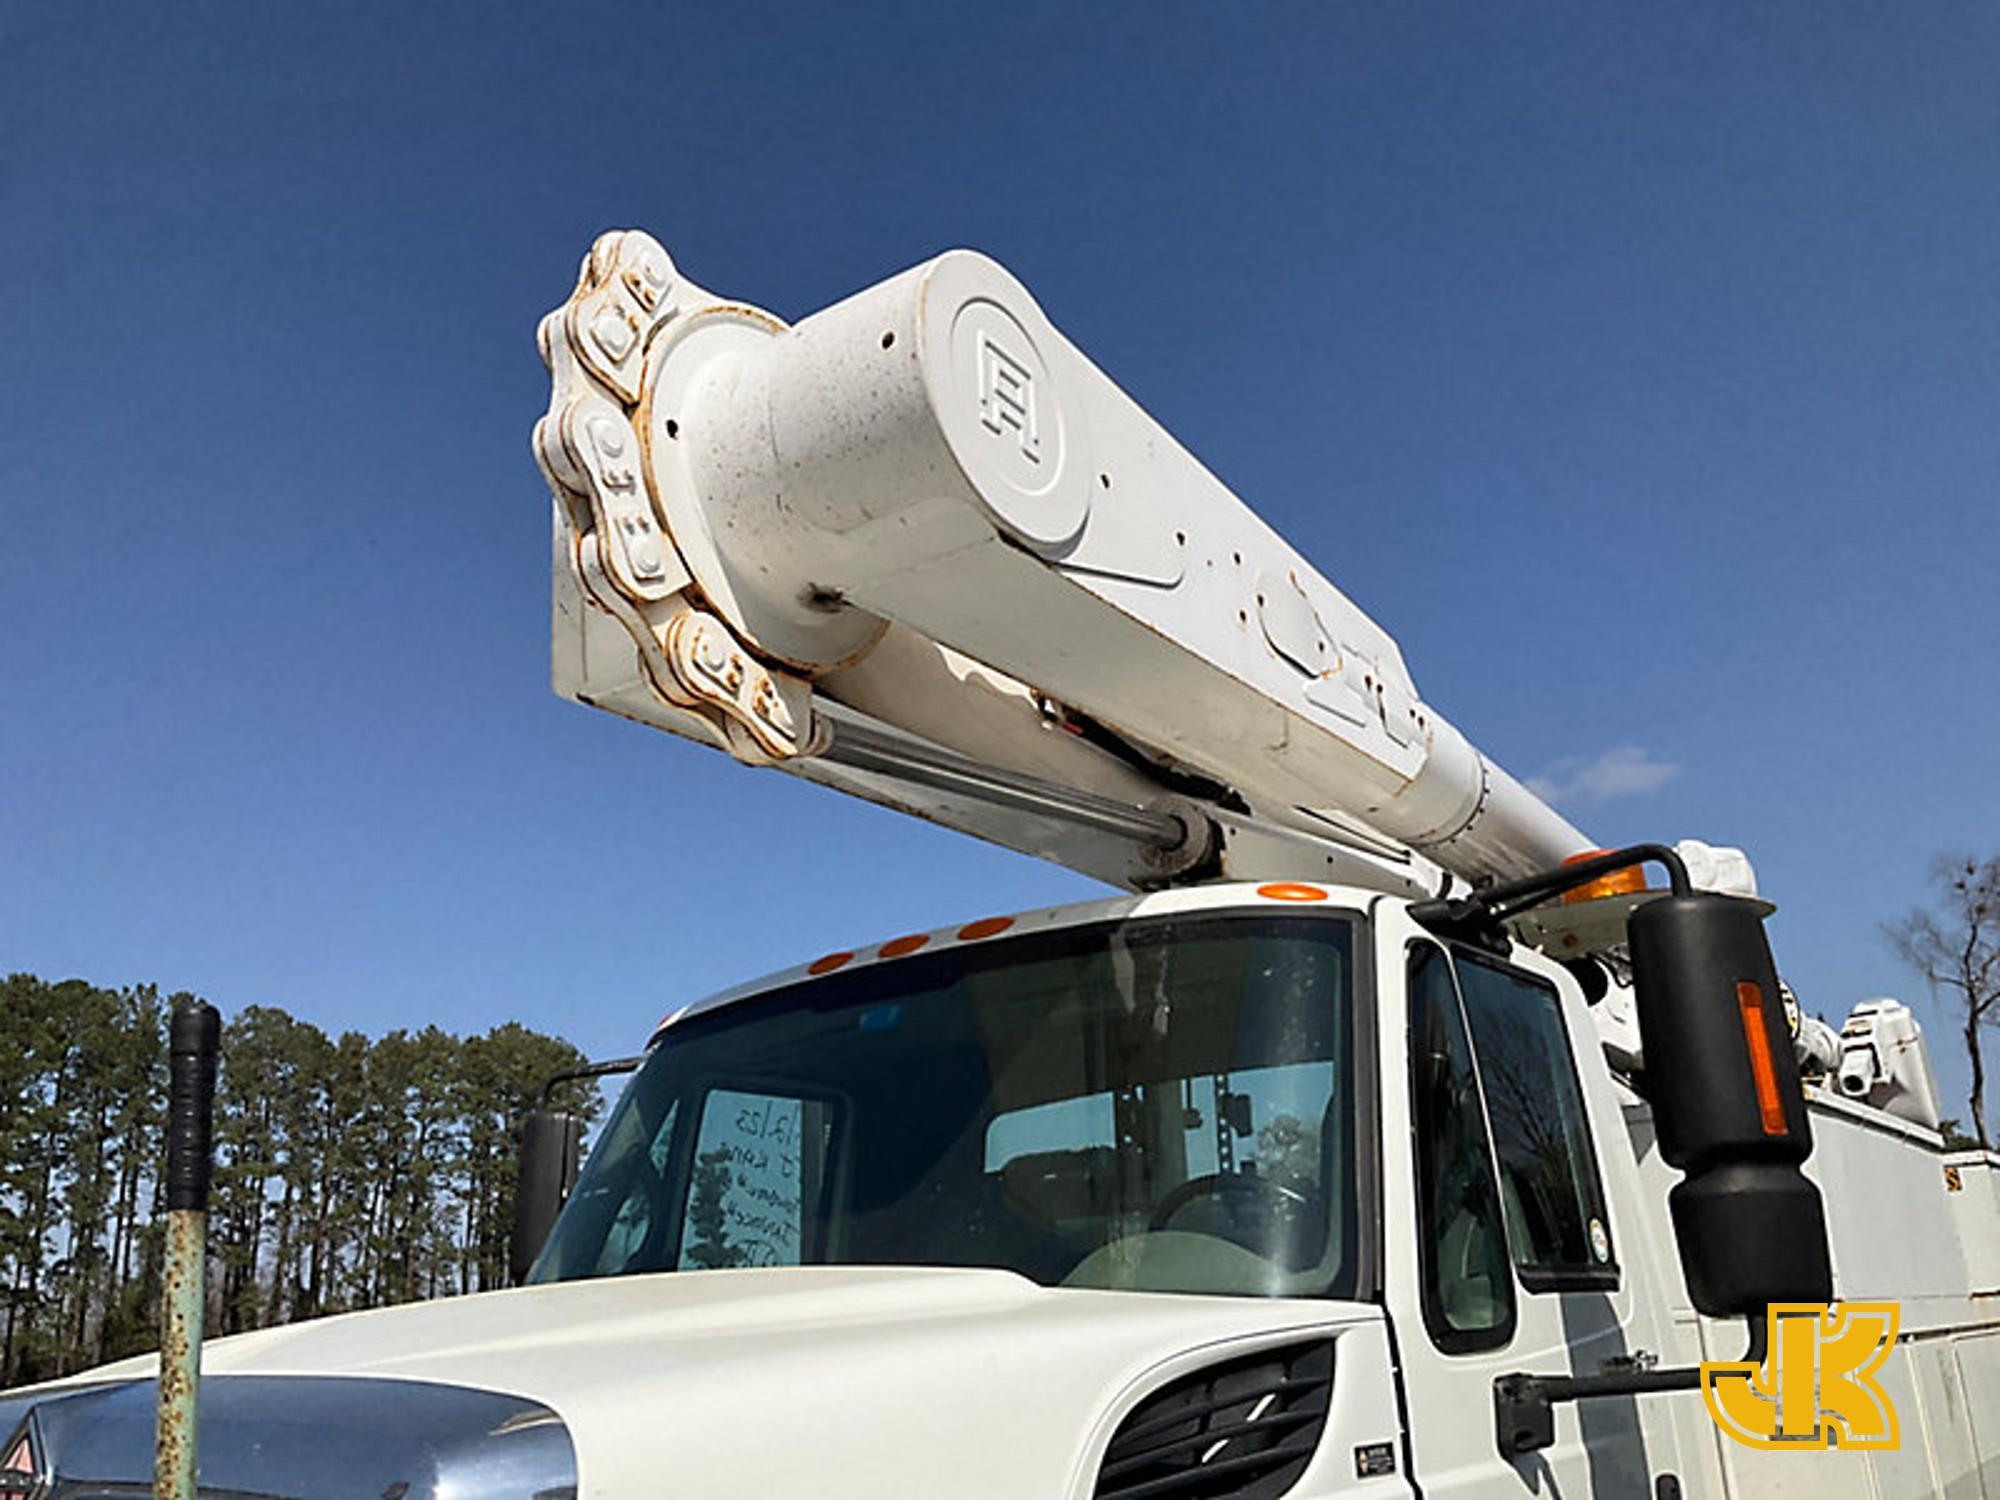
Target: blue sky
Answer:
pixel 1635 365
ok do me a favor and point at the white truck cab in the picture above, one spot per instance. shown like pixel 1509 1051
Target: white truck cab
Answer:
pixel 1410 1151
pixel 1263 1093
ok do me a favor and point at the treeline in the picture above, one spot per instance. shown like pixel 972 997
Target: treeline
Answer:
pixel 350 1172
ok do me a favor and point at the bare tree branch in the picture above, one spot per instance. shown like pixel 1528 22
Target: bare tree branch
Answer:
pixel 1955 945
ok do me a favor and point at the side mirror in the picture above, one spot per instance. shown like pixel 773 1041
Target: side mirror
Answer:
pixel 1728 1111
pixel 551 1148
pixel 1727 1105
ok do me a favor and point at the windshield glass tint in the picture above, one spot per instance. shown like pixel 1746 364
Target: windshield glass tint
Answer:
pixel 1161 1105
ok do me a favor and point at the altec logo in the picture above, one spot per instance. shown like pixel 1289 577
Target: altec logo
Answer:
pixel 1817 1385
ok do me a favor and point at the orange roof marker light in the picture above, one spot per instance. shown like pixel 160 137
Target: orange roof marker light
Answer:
pixel 1626 882
pixel 1287 890
pixel 985 927
pixel 828 964
pixel 897 947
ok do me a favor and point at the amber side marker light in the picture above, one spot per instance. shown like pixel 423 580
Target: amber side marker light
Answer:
pixel 985 927
pixel 897 947
pixel 1770 1104
pixel 1623 882
pixel 828 964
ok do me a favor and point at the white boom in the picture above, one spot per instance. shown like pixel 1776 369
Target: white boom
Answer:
pixel 918 547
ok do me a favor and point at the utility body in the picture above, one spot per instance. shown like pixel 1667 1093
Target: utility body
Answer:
pixel 1363 1146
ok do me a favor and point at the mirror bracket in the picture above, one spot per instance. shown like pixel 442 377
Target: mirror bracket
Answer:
pixel 1524 1418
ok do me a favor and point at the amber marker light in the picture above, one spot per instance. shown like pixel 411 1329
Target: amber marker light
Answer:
pixel 985 927
pixel 1286 890
pixel 828 964
pixel 1623 882
pixel 897 947
pixel 1770 1104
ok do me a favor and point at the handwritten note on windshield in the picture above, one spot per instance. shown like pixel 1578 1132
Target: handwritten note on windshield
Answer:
pixel 746 1204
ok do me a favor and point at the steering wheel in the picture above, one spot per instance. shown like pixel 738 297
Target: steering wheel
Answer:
pixel 1271 1228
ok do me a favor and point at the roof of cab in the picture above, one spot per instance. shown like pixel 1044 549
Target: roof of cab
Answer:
pixel 1253 896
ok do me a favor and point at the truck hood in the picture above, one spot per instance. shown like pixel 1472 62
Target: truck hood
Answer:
pixel 838 1382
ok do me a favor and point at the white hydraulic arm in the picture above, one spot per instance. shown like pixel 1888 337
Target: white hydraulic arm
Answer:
pixel 919 548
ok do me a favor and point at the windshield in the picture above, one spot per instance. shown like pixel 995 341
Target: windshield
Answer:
pixel 1163 1105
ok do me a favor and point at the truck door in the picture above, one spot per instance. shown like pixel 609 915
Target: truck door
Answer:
pixel 1501 1251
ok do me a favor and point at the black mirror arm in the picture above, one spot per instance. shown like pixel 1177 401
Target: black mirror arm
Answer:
pixel 1478 916
pixel 589 1070
pixel 1524 1405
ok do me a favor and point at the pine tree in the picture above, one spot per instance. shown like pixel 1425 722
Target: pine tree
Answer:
pixel 349 1173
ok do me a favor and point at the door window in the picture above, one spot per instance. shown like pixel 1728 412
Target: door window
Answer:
pixel 1556 1219
pixel 1467 1289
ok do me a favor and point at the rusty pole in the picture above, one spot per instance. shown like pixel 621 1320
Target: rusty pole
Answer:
pixel 195 1035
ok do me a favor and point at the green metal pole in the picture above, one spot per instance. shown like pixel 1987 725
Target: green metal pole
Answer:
pixel 195 1041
